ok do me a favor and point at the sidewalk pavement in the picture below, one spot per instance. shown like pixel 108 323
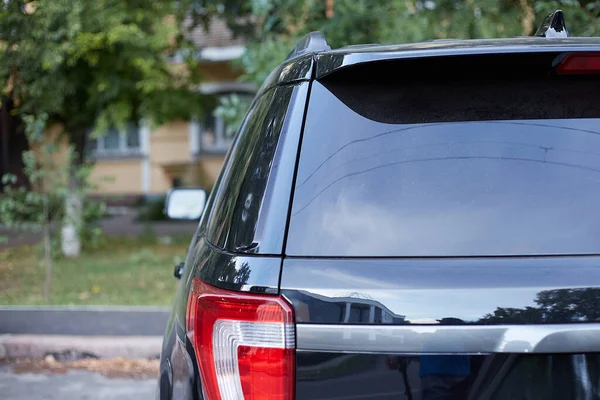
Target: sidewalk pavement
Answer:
pixel 73 332
pixel 68 348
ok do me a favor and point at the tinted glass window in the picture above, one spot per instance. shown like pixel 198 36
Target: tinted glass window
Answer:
pixel 244 180
pixel 449 376
pixel 462 168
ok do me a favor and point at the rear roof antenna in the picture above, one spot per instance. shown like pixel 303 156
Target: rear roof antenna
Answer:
pixel 314 41
pixel 553 26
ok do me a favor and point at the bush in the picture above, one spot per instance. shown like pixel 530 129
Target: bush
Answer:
pixel 151 209
pixel 22 208
pixel 93 212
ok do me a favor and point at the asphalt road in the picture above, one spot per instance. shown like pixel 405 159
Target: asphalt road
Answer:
pixel 71 386
pixel 84 321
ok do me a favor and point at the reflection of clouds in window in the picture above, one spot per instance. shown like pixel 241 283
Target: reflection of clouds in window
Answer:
pixel 353 222
pixel 439 142
pixel 395 151
pixel 440 159
pixel 357 223
pixel 350 281
pixel 362 142
pixel 468 188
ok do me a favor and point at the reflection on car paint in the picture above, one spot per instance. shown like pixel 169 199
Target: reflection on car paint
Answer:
pixel 529 290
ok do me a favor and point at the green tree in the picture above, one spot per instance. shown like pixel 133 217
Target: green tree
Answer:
pixel 275 26
pixel 39 207
pixel 87 66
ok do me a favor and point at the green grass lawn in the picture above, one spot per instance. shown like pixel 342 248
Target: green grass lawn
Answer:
pixel 122 271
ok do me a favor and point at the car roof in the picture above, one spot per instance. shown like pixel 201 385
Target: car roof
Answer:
pixel 449 44
pixel 332 60
pixel 317 62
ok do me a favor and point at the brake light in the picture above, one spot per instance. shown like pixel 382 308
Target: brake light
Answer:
pixel 244 343
pixel 580 64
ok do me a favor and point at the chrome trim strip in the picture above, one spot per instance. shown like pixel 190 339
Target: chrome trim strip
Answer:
pixel 471 339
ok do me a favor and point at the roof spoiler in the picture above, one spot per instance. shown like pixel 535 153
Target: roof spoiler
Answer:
pixel 553 26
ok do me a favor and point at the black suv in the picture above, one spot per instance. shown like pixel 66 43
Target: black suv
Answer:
pixel 413 221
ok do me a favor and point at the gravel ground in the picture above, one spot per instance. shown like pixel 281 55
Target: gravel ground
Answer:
pixel 51 380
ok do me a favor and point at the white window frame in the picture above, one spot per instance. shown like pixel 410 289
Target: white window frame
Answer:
pixel 221 143
pixel 123 149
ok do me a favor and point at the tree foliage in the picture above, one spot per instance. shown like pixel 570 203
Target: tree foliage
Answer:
pixel 87 66
pixel 95 64
pixel 279 24
pixel 275 26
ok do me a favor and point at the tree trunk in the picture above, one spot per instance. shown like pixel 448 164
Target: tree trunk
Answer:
pixel 70 233
pixel 4 132
pixel 70 238
pixel 47 254
pixel 528 18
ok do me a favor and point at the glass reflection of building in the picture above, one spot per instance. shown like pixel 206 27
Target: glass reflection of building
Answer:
pixel 351 309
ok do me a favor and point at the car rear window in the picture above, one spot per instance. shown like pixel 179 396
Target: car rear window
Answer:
pixel 470 157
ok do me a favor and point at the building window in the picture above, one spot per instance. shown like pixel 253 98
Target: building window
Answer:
pixel 359 313
pixel 117 142
pixel 215 134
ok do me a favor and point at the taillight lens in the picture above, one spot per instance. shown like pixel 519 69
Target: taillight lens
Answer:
pixel 579 64
pixel 244 343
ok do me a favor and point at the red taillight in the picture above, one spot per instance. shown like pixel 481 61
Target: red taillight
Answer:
pixel 244 343
pixel 580 64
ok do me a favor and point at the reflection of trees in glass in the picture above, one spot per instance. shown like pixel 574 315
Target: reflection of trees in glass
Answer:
pixel 235 274
pixel 553 306
pixel 231 272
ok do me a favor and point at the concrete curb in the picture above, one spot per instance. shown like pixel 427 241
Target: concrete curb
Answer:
pixel 73 347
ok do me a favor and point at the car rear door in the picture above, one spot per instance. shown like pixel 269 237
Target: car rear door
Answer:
pixel 444 238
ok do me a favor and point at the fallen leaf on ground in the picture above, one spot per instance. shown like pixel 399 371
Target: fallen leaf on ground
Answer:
pixel 84 296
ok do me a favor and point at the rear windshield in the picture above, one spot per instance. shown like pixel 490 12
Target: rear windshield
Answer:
pixel 470 163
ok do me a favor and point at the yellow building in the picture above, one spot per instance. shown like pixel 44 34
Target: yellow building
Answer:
pixel 145 161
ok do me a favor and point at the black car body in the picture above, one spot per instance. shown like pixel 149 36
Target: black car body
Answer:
pixel 402 222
